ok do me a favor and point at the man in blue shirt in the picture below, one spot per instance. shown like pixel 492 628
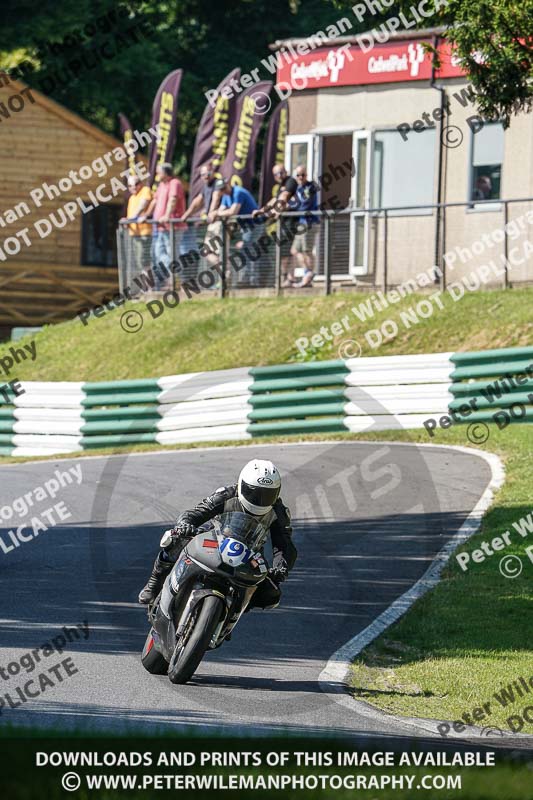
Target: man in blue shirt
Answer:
pixel 305 200
pixel 238 201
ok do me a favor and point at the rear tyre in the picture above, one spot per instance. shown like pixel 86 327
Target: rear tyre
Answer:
pixel 185 660
pixel 151 659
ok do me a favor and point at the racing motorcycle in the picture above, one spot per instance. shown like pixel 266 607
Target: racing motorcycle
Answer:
pixel 205 594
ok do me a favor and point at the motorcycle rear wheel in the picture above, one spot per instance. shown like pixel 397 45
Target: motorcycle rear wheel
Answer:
pixel 186 659
pixel 151 659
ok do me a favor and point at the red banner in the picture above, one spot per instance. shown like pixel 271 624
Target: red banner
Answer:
pixel 213 134
pixel 239 165
pixel 273 151
pixel 165 114
pixel 350 65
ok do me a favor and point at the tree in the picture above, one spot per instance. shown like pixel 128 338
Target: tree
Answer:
pixel 206 39
pixel 493 39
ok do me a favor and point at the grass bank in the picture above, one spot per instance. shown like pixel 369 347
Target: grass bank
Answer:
pixel 220 334
pixel 469 637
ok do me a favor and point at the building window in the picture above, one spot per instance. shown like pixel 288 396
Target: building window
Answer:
pixel 99 236
pixel 487 160
pixel 403 172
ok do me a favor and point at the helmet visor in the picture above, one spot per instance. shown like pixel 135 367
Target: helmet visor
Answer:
pixel 260 495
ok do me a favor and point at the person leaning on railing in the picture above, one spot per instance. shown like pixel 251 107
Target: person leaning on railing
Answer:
pixel 238 201
pixel 206 203
pixel 140 232
pixel 275 207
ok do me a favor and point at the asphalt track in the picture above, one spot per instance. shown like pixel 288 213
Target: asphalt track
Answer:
pixel 368 517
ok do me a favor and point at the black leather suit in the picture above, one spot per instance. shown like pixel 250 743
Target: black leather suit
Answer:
pixel 278 521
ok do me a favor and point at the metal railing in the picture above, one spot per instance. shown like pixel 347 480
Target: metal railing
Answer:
pixel 373 248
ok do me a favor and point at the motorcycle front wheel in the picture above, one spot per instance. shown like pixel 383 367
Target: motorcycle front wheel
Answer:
pixel 187 656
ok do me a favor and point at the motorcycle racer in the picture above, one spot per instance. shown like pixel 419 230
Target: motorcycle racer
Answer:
pixel 256 493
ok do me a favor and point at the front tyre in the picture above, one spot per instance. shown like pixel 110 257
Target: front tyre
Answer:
pixel 186 658
pixel 151 659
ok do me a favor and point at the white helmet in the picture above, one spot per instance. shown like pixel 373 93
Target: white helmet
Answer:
pixel 259 486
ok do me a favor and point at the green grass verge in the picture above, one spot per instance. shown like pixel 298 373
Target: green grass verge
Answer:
pixel 220 334
pixel 471 635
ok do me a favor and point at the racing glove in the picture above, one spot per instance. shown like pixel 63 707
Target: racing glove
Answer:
pixel 279 570
pixel 183 531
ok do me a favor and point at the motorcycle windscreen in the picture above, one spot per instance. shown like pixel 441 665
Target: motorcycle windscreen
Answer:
pixel 243 528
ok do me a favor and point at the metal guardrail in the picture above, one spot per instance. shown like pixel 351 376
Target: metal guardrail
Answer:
pixel 256 254
pixel 238 253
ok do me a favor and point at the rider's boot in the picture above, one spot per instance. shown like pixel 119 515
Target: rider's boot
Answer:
pixel 155 581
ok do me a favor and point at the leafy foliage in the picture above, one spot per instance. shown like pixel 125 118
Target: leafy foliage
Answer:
pixel 208 39
pixel 494 39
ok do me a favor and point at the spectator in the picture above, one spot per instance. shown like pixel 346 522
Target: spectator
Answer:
pixel 302 247
pixel 140 232
pixel 275 207
pixel 483 188
pixel 236 200
pixel 168 203
pixel 207 199
pixel 206 203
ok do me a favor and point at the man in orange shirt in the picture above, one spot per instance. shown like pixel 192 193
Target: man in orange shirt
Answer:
pixel 168 203
pixel 138 253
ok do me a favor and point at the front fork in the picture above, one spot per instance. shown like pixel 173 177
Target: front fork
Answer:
pixel 227 624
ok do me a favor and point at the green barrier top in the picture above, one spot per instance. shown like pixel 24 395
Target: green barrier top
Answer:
pixel 126 386
pixel 488 355
pixel 120 398
pixel 498 369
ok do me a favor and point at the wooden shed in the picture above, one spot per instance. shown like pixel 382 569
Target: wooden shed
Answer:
pixel 71 266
